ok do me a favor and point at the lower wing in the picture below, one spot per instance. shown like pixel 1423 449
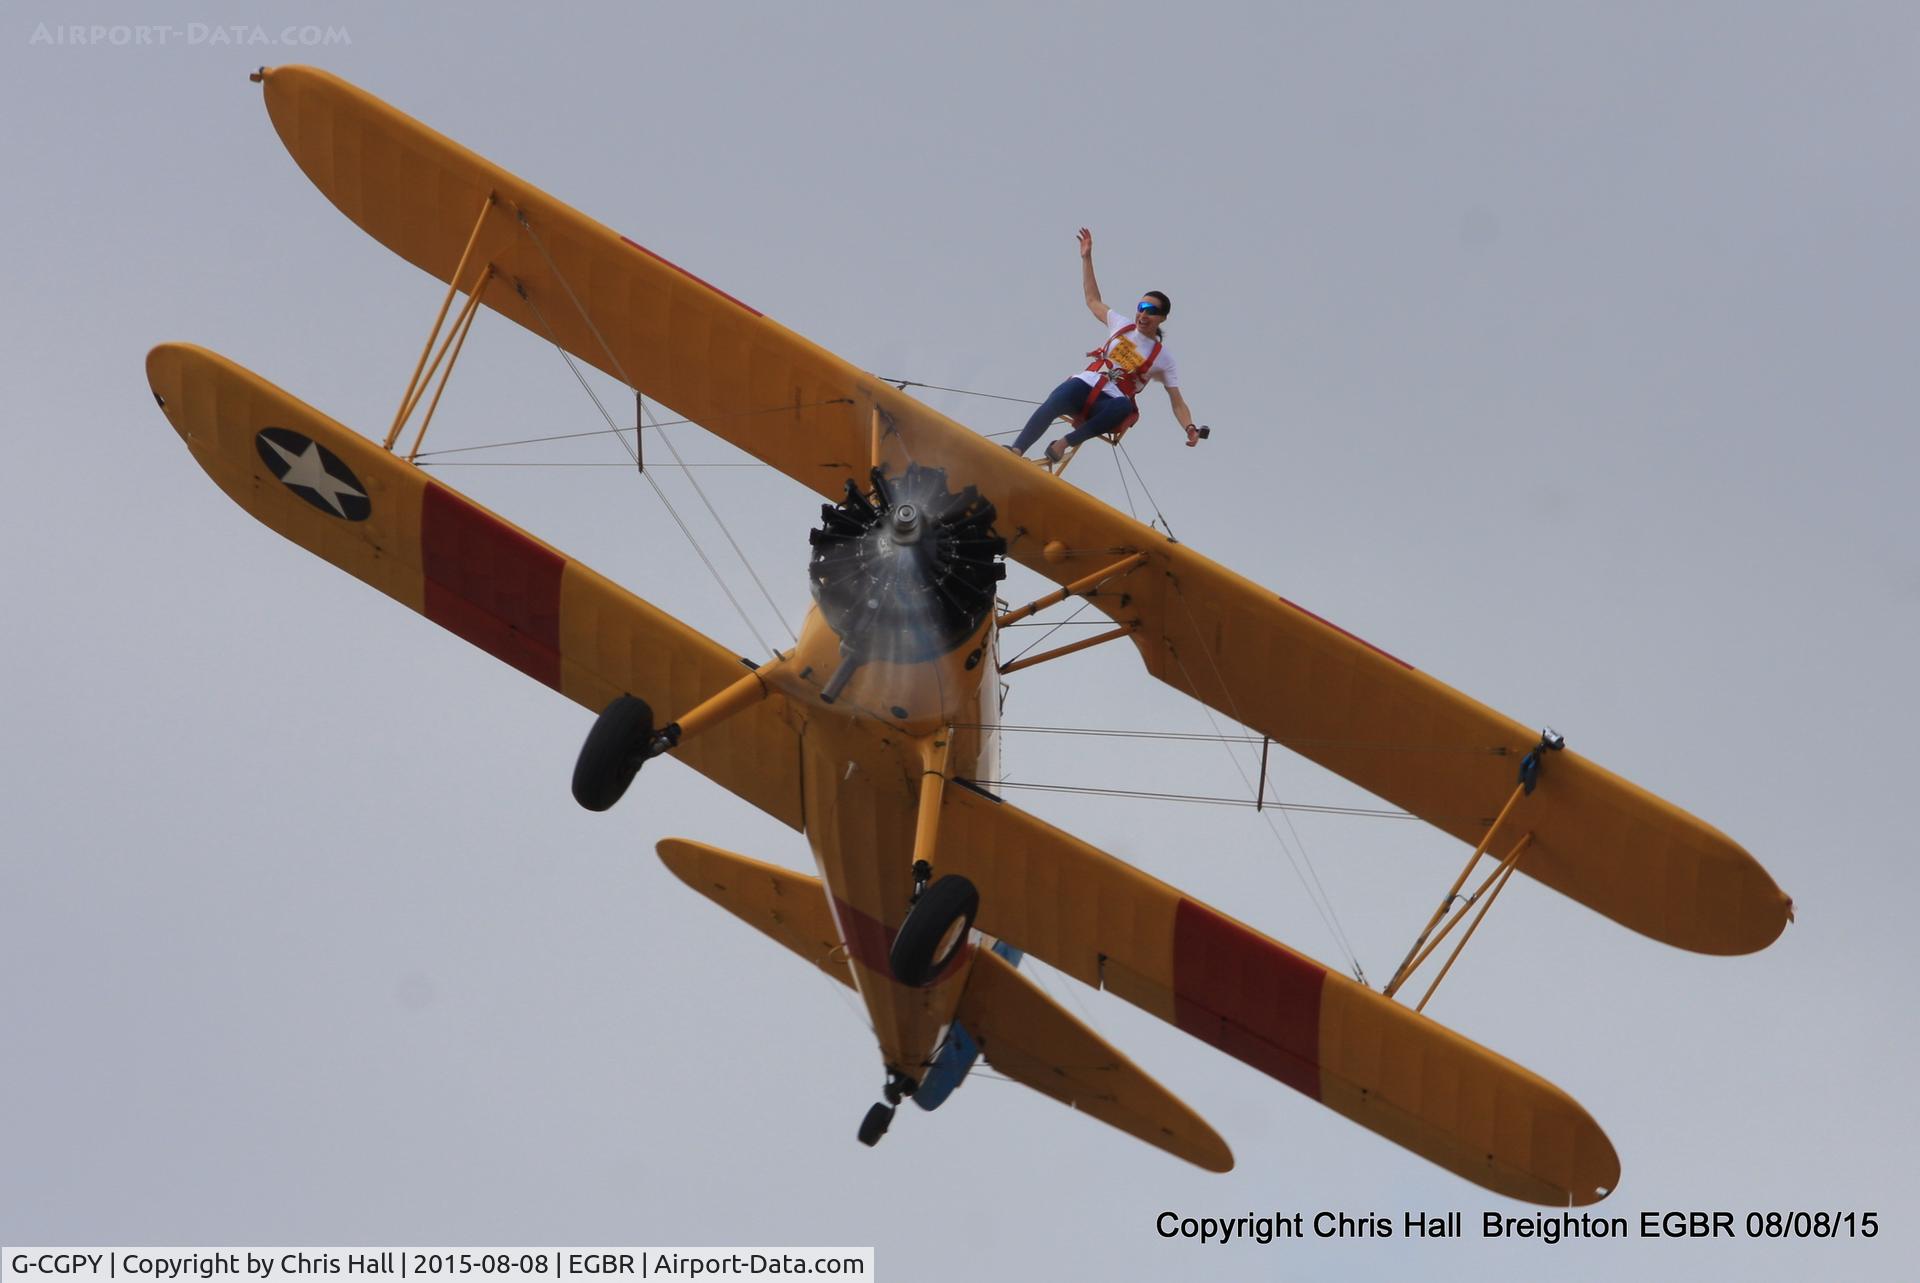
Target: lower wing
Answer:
pixel 344 498
pixel 1388 1068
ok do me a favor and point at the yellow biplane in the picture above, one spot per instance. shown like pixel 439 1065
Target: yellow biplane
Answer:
pixel 872 733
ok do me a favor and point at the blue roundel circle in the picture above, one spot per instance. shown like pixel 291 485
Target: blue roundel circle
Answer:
pixel 313 472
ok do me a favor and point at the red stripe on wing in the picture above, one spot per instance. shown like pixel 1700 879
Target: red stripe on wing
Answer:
pixel 1344 633
pixel 491 584
pixel 1247 996
pixel 690 276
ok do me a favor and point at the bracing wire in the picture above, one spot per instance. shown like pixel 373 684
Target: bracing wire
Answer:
pixel 664 423
pixel 1050 632
pixel 1311 808
pixel 555 463
pixel 935 387
pixel 1038 974
pixel 1124 487
pixel 1065 623
pixel 1120 447
pixel 738 551
pixel 1493 751
pixel 1309 880
pixel 665 502
pixel 691 480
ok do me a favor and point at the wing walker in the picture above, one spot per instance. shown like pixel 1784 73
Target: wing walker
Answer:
pixel 873 732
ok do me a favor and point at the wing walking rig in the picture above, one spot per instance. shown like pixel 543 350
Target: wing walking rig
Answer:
pixel 869 733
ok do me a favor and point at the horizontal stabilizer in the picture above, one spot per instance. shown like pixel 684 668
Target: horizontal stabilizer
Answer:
pixel 1023 1033
pixel 790 907
pixel 1033 1040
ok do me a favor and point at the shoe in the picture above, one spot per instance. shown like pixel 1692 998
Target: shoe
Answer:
pixel 1018 453
pixel 1056 450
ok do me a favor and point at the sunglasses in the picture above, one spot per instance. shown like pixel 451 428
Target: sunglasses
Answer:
pixel 1149 309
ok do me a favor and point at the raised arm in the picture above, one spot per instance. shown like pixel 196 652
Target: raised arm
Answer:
pixel 1088 285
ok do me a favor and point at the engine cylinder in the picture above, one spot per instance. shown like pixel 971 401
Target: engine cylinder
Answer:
pixel 907 571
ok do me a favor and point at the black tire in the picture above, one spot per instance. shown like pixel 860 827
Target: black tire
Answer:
pixel 875 1124
pixel 935 930
pixel 612 754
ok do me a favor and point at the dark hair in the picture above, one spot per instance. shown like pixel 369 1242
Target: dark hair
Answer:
pixel 1166 304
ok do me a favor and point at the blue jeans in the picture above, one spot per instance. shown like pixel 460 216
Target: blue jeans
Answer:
pixel 1109 414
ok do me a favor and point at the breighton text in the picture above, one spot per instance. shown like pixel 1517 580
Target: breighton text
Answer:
pixel 1540 1227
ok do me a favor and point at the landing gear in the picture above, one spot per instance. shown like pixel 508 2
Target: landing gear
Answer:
pixel 898 1087
pixel 935 930
pixel 875 1124
pixel 880 1117
pixel 621 739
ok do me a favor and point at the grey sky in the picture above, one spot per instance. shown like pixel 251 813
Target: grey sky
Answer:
pixel 1567 353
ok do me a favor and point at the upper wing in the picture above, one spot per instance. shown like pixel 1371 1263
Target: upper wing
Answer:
pixel 339 495
pixel 1243 650
pixel 1382 1065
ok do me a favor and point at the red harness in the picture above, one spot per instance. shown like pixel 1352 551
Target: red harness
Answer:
pixel 1130 382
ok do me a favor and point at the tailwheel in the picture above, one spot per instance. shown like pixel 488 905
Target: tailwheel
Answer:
pixel 875 1124
pixel 621 739
pixel 899 1087
pixel 935 930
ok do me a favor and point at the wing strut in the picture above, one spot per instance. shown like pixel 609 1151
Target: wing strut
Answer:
pixel 457 338
pixel 417 384
pixel 1078 588
pixel 1423 947
pixel 936 755
pixel 1015 665
pixel 620 371
pixel 1502 873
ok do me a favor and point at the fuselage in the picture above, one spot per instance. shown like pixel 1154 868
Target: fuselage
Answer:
pixel 865 752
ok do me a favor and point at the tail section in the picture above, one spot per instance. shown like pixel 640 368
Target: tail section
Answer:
pixel 1033 1040
pixel 1023 1033
pixel 790 907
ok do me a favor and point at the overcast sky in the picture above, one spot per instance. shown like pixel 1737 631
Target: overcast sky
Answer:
pixel 1566 352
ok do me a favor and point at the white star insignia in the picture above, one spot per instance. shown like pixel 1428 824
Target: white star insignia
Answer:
pixel 306 470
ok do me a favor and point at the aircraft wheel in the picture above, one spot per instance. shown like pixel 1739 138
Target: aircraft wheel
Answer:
pixel 935 930
pixel 875 1124
pixel 613 752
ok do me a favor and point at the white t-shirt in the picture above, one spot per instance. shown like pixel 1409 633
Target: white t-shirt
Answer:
pixel 1127 352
